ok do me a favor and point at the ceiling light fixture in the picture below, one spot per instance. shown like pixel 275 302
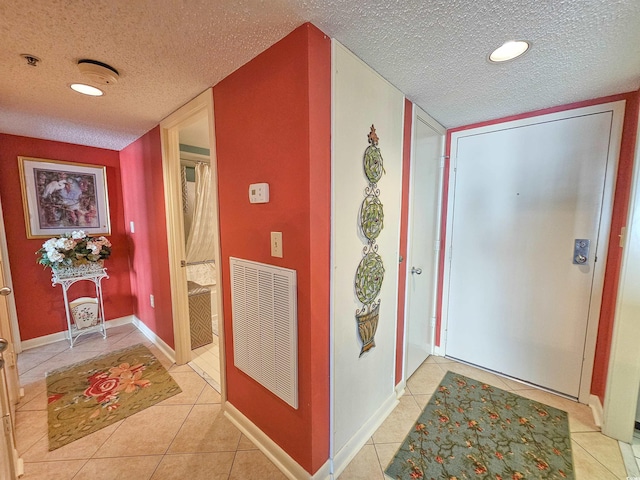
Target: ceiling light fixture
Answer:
pixel 509 51
pixel 98 72
pixel 86 89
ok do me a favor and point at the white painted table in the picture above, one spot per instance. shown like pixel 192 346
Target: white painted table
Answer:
pixel 67 276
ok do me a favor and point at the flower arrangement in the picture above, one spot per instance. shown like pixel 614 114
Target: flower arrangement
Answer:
pixel 75 248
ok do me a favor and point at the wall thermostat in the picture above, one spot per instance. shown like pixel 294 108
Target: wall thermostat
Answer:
pixel 259 193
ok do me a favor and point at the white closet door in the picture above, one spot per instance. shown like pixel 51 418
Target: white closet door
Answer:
pixel 523 194
pixel 422 261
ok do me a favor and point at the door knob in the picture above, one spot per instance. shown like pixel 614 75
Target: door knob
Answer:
pixel 415 270
pixel 4 291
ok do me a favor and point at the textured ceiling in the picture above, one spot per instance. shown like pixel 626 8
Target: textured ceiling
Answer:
pixel 168 51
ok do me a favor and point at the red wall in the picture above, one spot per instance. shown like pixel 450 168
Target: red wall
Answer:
pixel 404 226
pixel 39 306
pixel 619 219
pixel 143 195
pixel 273 124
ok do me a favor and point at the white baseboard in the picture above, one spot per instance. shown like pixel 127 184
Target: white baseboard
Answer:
pixel 355 444
pixel 400 388
pixel 596 409
pixel 438 351
pixel 157 341
pixel 281 459
pixel 56 337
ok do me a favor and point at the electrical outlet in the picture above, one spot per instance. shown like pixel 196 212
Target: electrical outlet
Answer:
pixel 152 301
pixel 276 244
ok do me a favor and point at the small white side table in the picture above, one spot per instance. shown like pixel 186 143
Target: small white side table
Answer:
pixel 67 276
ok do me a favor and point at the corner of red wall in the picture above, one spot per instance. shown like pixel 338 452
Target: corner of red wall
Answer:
pixel 273 124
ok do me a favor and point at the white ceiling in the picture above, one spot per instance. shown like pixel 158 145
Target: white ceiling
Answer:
pixel 168 51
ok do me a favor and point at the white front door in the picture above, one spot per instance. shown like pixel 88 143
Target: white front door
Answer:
pixel 424 220
pixel 521 194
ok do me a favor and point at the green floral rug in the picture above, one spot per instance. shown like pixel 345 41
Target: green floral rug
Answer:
pixel 471 430
pixel 91 395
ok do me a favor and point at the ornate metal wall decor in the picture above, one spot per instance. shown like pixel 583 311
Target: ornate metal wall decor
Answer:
pixel 370 272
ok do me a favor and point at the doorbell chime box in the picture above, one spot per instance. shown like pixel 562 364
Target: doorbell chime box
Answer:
pixel 259 193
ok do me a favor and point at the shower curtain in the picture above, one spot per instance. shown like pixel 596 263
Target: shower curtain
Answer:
pixel 201 238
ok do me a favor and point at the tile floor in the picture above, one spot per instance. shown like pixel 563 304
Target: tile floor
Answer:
pixel 187 436
pixel 636 446
pixel 206 361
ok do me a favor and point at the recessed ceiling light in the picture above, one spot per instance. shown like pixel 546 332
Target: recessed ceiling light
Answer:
pixel 86 89
pixel 509 50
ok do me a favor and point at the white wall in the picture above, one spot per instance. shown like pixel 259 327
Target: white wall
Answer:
pixel 362 386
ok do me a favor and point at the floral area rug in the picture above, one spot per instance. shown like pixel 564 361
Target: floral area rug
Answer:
pixel 91 395
pixel 471 430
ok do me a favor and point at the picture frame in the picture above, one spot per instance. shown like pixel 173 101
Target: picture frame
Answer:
pixel 60 197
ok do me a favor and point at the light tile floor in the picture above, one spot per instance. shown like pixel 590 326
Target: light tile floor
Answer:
pixel 185 436
pixel 636 446
pixel 596 457
pixel 206 361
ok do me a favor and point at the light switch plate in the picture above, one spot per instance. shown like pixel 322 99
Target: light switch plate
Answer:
pixel 259 193
pixel 276 244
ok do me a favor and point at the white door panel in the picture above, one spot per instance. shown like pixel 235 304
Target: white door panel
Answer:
pixel 517 304
pixel 423 235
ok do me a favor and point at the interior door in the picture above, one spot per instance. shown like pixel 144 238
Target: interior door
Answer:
pixel 424 221
pixel 523 194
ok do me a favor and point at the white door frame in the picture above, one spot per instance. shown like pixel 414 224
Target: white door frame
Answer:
pixel 11 301
pixel 421 115
pixel 603 235
pixel 169 129
pixel 623 379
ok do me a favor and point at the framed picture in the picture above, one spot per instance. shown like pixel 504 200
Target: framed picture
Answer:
pixel 60 197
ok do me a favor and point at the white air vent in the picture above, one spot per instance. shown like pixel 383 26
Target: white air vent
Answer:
pixel 265 333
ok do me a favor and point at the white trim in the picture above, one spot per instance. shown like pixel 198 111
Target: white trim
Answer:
pixel 157 341
pixel 281 459
pixel 603 234
pixel 10 299
pixel 56 337
pixel 438 351
pixel 347 453
pixel 332 257
pixel 400 388
pixel 596 409
pixel 169 129
pixel 623 378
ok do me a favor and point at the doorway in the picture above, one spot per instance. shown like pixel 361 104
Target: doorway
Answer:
pixel 521 299
pixel 427 164
pixel 189 167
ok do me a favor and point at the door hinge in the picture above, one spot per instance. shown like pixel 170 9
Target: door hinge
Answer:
pixel 623 236
pixel 6 423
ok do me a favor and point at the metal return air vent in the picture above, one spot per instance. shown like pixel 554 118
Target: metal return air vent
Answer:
pixel 265 330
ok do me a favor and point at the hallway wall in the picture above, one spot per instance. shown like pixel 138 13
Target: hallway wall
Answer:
pixel 40 307
pixel 272 121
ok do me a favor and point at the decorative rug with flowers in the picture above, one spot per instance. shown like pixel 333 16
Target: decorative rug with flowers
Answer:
pixel 471 430
pixel 91 395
